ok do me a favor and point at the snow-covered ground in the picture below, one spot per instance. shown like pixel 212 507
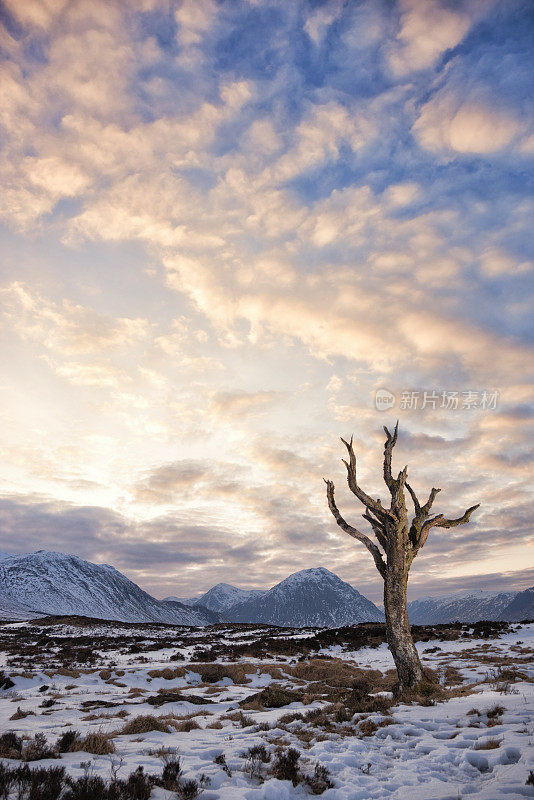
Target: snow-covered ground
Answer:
pixel 412 752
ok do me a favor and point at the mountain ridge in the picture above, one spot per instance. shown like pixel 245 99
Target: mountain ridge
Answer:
pixel 51 583
pixel 309 598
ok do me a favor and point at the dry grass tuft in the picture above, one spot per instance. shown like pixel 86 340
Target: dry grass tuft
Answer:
pixel 489 744
pixel 99 744
pixel 187 725
pixel 167 673
pixel 145 723
pixel 20 714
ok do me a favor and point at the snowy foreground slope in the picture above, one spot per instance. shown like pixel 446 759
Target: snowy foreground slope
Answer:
pixel 211 693
pixel 56 583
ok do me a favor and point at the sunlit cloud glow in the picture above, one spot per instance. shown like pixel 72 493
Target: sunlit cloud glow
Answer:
pixel 225 227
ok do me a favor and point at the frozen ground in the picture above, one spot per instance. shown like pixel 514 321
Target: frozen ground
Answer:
pixel 100 677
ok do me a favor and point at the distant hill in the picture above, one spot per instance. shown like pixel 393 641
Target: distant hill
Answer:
pixel 465 606
pixel 521 607
pixel 221 597
pixel 60 584
pixel 311 597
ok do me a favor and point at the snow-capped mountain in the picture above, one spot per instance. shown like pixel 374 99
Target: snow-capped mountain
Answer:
pixel 311 597
pixel 221 597
pixel 56 583
pixel 521 607
pixel 466 606
pixel 11 610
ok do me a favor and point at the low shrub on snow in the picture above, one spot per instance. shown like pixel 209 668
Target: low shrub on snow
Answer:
pixel 286 766
pixel 145 723
pixel 489 744
pixel 10 745
pixel 31 784
pixel 37 748
pixel 320 781
pixel 255 757
pixel 271 697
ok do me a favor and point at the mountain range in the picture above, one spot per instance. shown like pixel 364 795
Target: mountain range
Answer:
pixel 220 597
pixel 45 583
pixel 49 583
pixel 309 598
pixel 466 606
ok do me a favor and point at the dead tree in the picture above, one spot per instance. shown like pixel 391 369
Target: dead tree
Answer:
pixel 399 541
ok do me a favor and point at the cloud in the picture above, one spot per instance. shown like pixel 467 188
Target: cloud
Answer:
pixel 66 327
pixel 226 226
pixel 169 480
pixel 427 30
pixel 321 18
pixel 238 403
pixel 479 104
pixel 448 123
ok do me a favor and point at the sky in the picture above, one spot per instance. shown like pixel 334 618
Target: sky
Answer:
pixel 224 227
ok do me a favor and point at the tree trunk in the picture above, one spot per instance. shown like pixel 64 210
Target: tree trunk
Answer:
pixel 399 635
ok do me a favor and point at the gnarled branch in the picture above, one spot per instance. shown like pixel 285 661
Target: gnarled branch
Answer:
pixel 428 505
pixel 379 529
pixel 416 503
pixel 439 521
pixel 391 441
pixel 363 497
pixel 361 537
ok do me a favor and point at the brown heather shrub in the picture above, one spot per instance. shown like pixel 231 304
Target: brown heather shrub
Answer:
pixel 98 743
pixel 271 697
pixel 119 715
pixel 335 672
pixel 495 711
pixel 238 716
pixel 10 745
pixel 145 723
pixel 167 673
pixel 38 748
pixel 20 714
pixel 367 727
pixel 489 744
pixel 67 673
pixel 452 676
pixel 187 725
pixel 217 725
pixel 105 674
pixel 236 671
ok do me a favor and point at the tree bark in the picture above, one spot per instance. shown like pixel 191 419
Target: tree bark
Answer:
pixel 398 633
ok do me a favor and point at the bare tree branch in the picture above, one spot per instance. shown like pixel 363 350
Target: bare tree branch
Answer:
pixel 362 496
pixel 371 546
pixel 417 537
pixel 428 505
pixel 416 503
pixel 391 441
pixel 452 523
pixel 378 528
pixel 439 521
